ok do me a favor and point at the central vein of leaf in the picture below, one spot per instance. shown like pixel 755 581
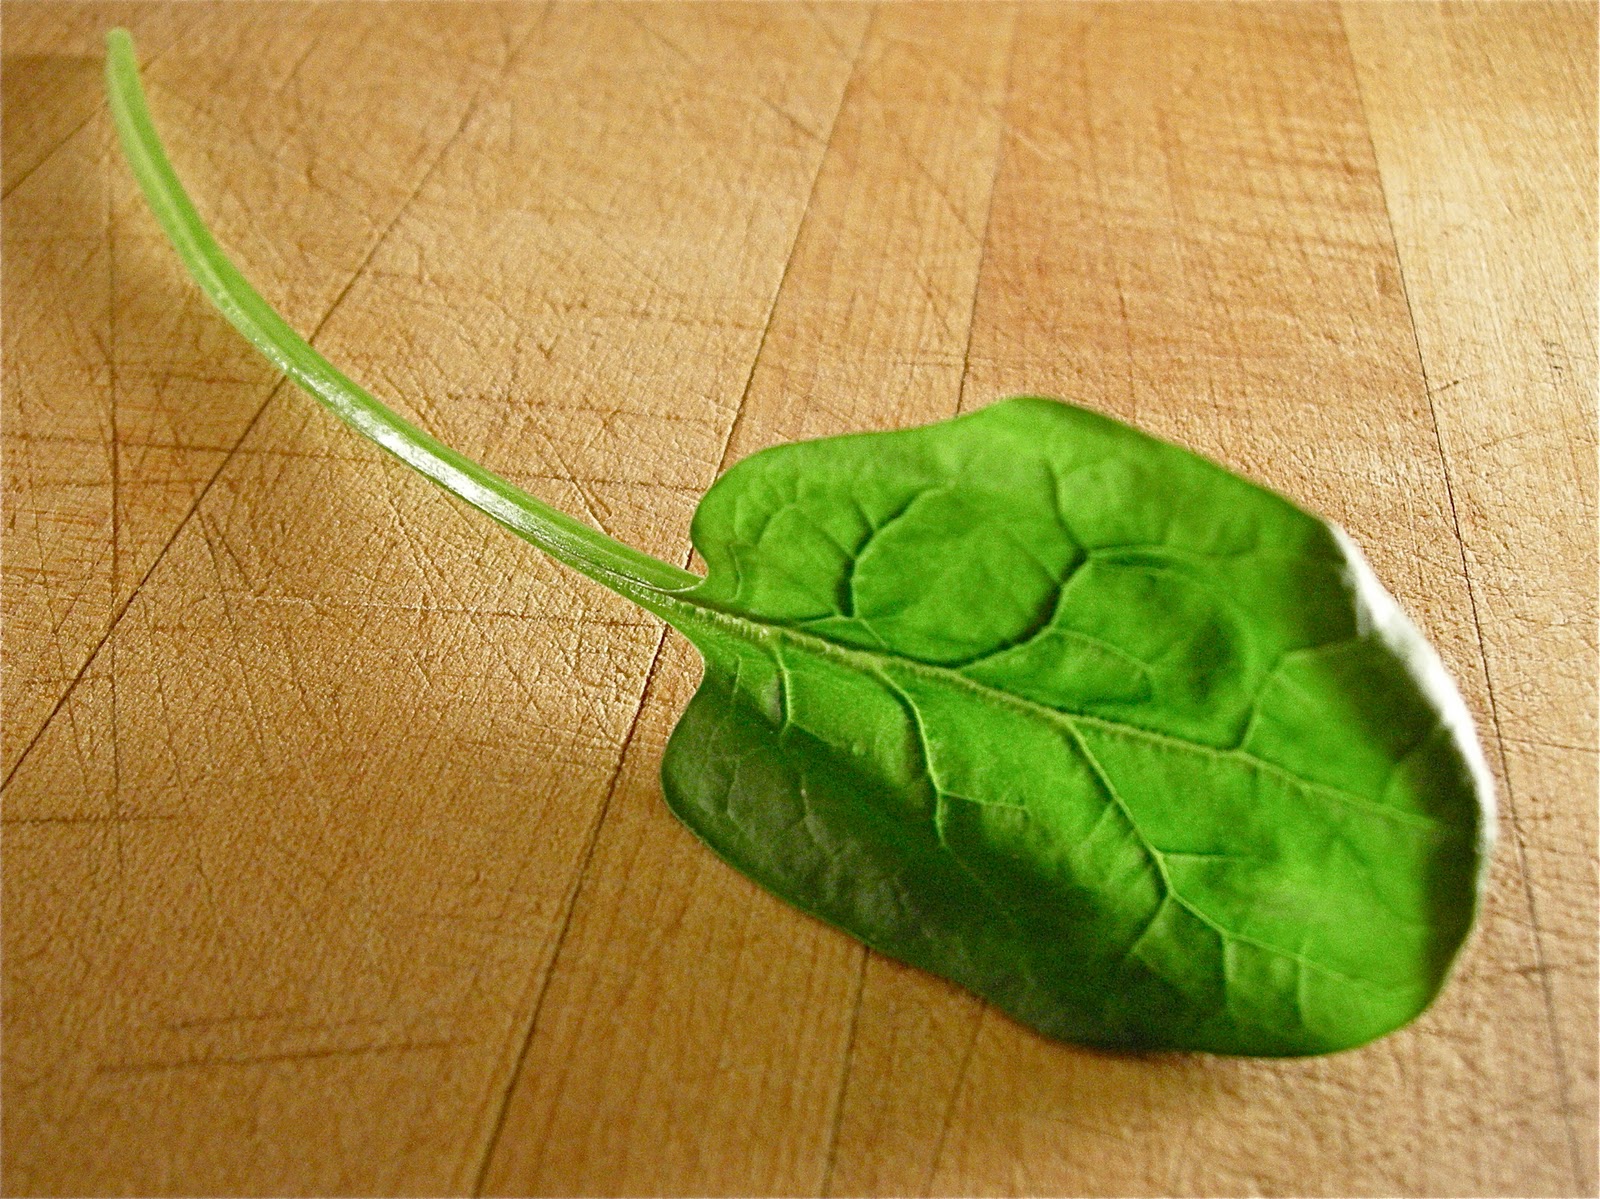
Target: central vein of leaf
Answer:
pixel 689 614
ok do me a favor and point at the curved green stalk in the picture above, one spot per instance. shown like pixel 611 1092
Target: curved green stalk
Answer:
pixel 604 559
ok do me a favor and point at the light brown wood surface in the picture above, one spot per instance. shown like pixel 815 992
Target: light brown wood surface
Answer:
pixel 335 859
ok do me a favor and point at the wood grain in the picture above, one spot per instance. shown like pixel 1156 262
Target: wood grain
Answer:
pixel 151 381
pixel 334 853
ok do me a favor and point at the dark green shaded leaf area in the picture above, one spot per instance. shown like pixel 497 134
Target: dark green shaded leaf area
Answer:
pixel 1118 740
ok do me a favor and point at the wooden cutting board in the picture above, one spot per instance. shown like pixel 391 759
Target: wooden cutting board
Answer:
pixel 335 859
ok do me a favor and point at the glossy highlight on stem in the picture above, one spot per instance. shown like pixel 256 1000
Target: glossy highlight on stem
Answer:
pixel 555 532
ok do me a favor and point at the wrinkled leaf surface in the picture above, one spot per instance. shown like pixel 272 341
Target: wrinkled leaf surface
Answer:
pixel 1124 743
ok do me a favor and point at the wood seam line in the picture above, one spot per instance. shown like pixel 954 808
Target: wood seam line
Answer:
pixel 1551 1026
pixel 278 386
pixel 116 487
pixel 569 906
pixel 1001 111
pixel 794 246
pixel 980 1016
pixel 837 1120
pixel 99 108
pixel 651 675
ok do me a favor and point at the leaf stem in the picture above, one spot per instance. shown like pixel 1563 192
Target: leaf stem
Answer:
pixel 604 559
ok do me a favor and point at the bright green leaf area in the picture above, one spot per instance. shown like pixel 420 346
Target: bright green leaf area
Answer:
pixel 1084 722
pixel 1133 748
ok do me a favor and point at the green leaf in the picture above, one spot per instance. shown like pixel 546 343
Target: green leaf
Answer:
pixel 1135 749
pixel 1130 746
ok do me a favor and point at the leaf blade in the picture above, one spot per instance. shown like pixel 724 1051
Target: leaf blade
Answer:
pixel 1304 913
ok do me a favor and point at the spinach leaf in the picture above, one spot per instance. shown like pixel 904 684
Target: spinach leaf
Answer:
pixel 1135 749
